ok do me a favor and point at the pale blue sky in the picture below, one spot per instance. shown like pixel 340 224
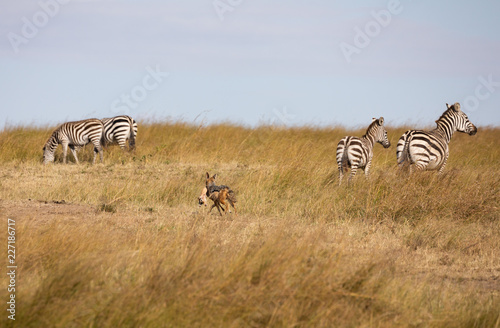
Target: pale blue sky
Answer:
pixel 264 62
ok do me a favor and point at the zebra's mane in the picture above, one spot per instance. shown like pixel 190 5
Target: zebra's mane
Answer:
pixel 447 112
pixel 52 137
pixel 370 127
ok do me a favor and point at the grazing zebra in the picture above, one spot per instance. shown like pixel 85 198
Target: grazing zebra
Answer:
pixel 119 129
pixel 428 150
pixel 75 135
pixel 357 153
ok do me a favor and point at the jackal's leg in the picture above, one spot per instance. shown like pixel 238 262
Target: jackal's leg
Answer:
pixel 219 207
pixel 232 204
pixel 226 205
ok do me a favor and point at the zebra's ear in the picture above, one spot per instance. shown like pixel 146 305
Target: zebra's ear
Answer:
pixel 448 106
pixel 456 107
pixel 374 119
pixel 381 121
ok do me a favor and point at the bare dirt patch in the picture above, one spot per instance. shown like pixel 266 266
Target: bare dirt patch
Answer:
pixel 43 211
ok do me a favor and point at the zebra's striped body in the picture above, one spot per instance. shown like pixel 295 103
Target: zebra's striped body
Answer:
pixel 75 135
pixel 357 152
pixel 428 150
pixel 118 129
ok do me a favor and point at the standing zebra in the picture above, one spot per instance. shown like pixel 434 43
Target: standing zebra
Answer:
pixel 75 135
pixel 429 149
pixel 119 129
pixel 358 152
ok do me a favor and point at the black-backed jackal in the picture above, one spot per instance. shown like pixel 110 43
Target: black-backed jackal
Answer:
pixel 221 195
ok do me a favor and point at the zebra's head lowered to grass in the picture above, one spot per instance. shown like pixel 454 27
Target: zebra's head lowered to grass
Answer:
pixel 378 132
pixel 456 120
pixel 49 149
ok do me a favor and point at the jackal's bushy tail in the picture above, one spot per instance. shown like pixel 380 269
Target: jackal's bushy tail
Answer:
pixel 231 196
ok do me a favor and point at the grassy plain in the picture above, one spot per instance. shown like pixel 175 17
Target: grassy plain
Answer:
pixel 124 244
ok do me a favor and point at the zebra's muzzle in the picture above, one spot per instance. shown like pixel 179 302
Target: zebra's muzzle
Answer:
pixel 473 130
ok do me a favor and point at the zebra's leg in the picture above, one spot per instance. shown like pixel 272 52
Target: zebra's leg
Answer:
pixel 341 174
pixel 122 143
pixel 367 168
pixel 73 151
pixel 101 157
pixel 441 169
pixel 354 169
pixel 97 149
pixel 419 166
pixel 65 150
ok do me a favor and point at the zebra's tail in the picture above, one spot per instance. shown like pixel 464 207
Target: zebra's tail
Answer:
pixel 403 150
pixel 131 139
pixel 345 160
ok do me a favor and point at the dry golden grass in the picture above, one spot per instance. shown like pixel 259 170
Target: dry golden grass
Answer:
pixel 124 244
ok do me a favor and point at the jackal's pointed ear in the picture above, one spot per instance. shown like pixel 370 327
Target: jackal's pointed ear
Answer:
pixel 208 175
pixel 215 176
pixel 381 121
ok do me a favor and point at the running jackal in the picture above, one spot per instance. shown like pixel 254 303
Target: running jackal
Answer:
pixel 220 195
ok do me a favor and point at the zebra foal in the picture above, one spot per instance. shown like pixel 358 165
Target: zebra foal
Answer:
pixel 74 135
pixel 357 152
pixel 428 150
pixel 118 129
